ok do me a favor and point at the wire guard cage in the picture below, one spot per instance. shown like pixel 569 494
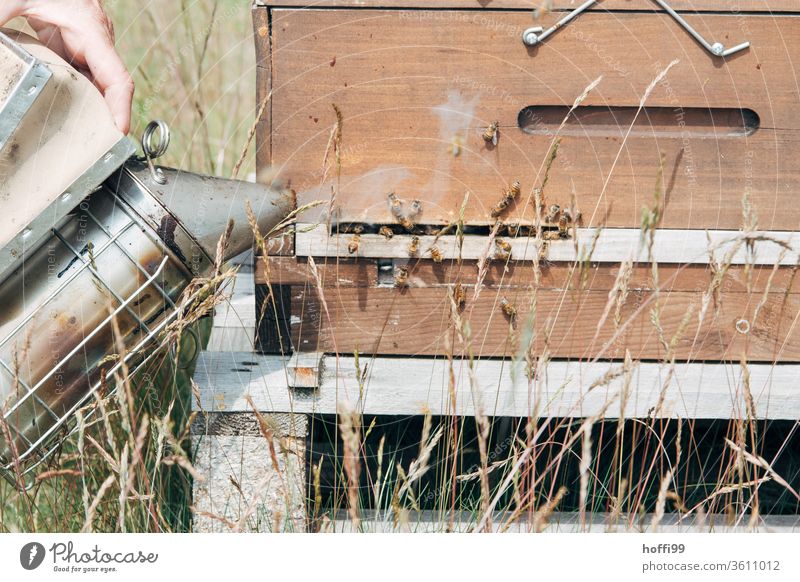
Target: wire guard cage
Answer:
pixel 106 275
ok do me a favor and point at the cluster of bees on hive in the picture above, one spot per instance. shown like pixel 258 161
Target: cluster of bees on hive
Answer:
pixel 556 222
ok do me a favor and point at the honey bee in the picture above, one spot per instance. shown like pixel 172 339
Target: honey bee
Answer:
pixel 455 146
pixel 436 254
pixel 552 213
pixel 508 309
pixel 352 247
pixel 500 207
pixel 400 277
pixel 503 251
pixel 551 235
pixel 407 218
pixel 508 197
pixel 413 246
pixel 459 296
pixel 394 203
pixel 563 227
pixel 490 134
pixel 386 232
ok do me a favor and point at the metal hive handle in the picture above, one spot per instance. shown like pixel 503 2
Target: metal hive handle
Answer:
pixel 535 34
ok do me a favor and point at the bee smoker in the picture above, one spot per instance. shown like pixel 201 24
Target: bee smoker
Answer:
pixel 96 246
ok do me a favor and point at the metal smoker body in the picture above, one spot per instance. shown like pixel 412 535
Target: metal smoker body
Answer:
pixel 98 240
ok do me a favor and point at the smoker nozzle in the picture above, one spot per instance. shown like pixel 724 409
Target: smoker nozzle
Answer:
pixel 203 206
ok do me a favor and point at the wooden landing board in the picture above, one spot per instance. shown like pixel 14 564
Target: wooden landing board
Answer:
pixel 598 245
pixel 563 522
pixel 410 84
pixel 405 386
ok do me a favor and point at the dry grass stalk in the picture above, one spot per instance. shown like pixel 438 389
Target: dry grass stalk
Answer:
pixel 350 428
pixel 661 501
pixel 542 516
pixel 762 463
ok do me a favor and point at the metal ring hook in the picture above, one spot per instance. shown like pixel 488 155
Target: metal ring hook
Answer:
pixel 154 150
pixel 181 362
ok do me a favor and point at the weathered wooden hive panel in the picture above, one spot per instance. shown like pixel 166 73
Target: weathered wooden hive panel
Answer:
pixel 650 147
pixel 643 273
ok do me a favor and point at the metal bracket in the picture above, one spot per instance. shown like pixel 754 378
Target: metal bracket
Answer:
pixel 536 34
pixel 31 79
pixel 304 369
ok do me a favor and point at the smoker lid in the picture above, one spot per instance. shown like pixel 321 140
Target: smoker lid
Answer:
pixel 58 143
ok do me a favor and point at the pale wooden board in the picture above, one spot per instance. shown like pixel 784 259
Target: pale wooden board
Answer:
pixel 563 522
pixel 412 386
pixel 567 323
pixel 406 85
pixel 613 245
pixel 234 325
pixel 565 5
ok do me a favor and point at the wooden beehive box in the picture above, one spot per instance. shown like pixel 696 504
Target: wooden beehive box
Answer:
pixel 662 286
pixel 372 98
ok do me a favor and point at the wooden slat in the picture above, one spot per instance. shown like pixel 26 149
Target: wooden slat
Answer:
pixel 711 5
pixel 417 321
pixel 235 326
pixel 409 386
pixel 562 522
pixel 609 246
pixel 340 273
pixel 279 245
pixel 261 36
pixel 407 86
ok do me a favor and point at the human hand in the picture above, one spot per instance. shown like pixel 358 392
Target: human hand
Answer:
pixel 81 32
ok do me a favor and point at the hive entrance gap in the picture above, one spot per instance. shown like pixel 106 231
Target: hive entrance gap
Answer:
pixel 614 121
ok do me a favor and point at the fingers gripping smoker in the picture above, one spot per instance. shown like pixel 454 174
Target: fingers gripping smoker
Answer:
pixel 91 239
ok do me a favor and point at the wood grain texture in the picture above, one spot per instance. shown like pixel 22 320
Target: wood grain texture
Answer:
pixel 487 5
pixel 498 388
pixel 284 244
pixel 352 273
pixel 417 321
pixel 601 245
pixel 409 84
pixel 262 39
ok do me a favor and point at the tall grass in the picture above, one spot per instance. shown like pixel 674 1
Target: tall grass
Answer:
pixel 127 467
